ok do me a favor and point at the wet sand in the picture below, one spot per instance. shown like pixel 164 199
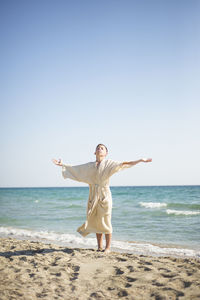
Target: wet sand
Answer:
pixel 33 270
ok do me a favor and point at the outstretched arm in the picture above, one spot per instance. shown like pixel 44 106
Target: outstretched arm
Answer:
pixel 132 163
pixel 77 173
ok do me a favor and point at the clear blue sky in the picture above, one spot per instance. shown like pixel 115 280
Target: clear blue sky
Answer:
pixel 123 73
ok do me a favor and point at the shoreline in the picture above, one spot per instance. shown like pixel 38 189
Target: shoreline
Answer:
pixel 120 246
pixel 32 270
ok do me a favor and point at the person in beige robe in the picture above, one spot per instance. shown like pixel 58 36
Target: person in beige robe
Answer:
pixel 99 207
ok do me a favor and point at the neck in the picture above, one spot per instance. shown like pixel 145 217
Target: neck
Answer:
pixel 99 158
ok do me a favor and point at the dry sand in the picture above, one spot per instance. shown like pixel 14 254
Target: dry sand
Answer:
pixel 33 270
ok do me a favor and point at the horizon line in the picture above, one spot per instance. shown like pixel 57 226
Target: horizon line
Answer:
pixel 79 186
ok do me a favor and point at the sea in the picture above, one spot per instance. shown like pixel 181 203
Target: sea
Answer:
pixel 146 220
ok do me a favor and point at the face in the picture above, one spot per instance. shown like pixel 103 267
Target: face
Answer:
pixel 101 150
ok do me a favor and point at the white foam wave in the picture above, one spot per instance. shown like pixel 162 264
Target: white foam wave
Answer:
pixel 49 236
pixel 71 240
pixel 182 212
pixel 153 204
pixel 153 250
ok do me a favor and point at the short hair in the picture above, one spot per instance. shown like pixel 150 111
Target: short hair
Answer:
pixel 102 145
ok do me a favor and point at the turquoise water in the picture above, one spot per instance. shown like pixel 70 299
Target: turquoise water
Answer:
pixel 161 215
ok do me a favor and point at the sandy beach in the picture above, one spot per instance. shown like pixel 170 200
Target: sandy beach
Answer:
pixel 33 270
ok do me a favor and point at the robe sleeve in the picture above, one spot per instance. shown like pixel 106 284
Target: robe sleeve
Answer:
pixel 116 166
pixel 77 173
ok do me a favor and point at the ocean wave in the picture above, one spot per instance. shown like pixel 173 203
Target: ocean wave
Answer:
pixel 186 206
pixel 50 236
pixel 71 240
pixel 153 204
pixel 182 212
pixel 75 206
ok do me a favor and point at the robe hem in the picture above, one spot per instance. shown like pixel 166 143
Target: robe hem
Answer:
pixel 85 233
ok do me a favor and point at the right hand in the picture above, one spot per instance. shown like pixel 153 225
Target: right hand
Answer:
pixel 146 159
pixel 57 162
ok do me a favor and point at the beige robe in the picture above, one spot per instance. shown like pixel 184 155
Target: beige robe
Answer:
pixel 99 206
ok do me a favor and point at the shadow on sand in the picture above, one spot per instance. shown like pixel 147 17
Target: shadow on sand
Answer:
pixel 9 254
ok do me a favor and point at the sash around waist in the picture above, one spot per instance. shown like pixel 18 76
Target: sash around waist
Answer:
pixel 96 194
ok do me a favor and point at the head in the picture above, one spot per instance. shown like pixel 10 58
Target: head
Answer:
pixel 101 150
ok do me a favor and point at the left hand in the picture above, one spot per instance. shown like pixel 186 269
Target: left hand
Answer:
pixel 146 159
pixel 57 162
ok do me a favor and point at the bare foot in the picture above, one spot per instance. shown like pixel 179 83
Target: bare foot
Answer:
pixel 107 250
pixel 100 249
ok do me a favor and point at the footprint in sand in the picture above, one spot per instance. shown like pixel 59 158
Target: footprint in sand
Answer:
pixel 17 270
pixel 156 283
pixel 128 285
pixel 59 289
pixel 118 271
pixel 123 293
pixel 111 288
pixel 121 258
pixel 164 269
pixel 131 269
pixel 144 262
pixel 157 296
pixel 97 295
pixel 34 263
pixel 189 273
pixel 76 273
pixel 56 274
pixel 23 258
pixel 28 270
pixel 73 288
pixel 168 275
pixel 130 279
pixel 74 276
pixel 177 293
pixel 179 283
pixel 160 296
pixel 187 284
pixel 145 268
pixel 76 268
